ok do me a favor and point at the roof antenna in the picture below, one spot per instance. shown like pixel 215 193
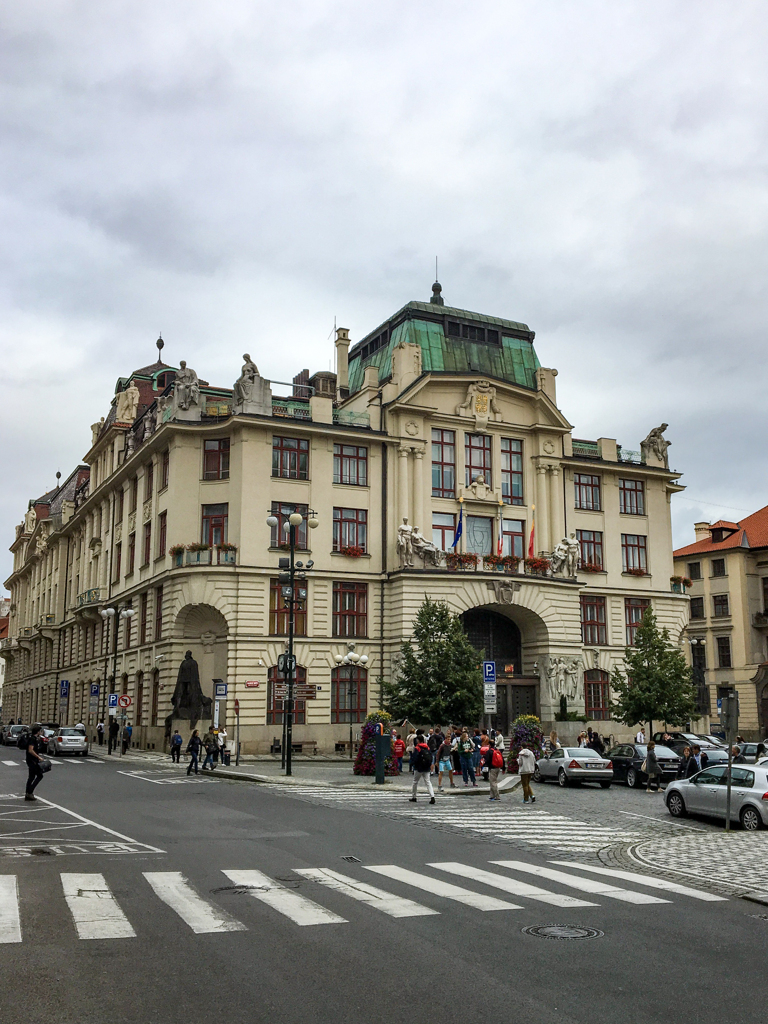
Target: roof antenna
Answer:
pixel 436 299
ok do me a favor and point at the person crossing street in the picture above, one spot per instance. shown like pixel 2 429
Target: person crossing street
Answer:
pixel 422 764
pixel 193 749
pixel 526 766
pixel 34 761
pixel 176 747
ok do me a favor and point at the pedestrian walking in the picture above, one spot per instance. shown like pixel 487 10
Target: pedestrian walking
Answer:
pixel 176 747
pixel 499 741
pixel 526 766
pixel 100 733
pixel 398 749
pixel 682 768
pixel 467 758
pixel 434 743
pixel 410 744
pixel 422 767
pixel 477 740
pixel 127 733
pixel 581 740
pixel 211 747
pixel 493 760
pixel 34 760
pixel 652 769
pixel 222 744
pixel 596 744
pixel 114 730
pixel 445 764
pixel 193 749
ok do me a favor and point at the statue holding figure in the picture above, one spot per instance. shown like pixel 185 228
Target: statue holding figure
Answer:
pixel 186 387
pixel 405 544
pixel 424 548
pixel 656 444
pixel 188 700
pixel 243 387
pixel 127 404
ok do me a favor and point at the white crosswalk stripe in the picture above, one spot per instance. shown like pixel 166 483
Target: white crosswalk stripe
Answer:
pixel 202 916
pixel 10 922
pixel 12 763
pixel 294 906
pixel 394 906
pixel 95 911
pixel 649 880
pixel 584 884
pixel 512 885
pixel 440 888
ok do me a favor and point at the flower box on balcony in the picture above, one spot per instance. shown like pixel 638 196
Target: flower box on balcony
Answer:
pixel 635 572
pixel 226 554
pixel 537 566
pixel 198 554
pixel 493 562
pixel 352 550
pixel 591 567
pixel 679 584
pixel 465 561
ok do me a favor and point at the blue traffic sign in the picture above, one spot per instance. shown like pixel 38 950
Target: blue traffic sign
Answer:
pixel 220 690
pixel 113 700
pixel 94 689
pixel 64 687
pixel 489 671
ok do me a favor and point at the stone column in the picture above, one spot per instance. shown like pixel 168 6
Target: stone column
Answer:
pixel 402 484
pixel 555 506
pixel 418 494
pixel 541 537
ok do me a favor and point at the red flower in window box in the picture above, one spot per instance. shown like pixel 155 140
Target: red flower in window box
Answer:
pixel 537 566
pixel 353 550
pixel 466 561
pixel 591 567
pixel 177 549
pixel 492 561
pixel 226 547
pixel 636 572
pixel 510 562
pixel 198 547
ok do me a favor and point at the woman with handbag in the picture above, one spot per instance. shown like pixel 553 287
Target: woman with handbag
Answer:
pixel 36 764
pixel 652 768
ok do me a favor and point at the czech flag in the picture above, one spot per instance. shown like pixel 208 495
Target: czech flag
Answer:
pixel 533 531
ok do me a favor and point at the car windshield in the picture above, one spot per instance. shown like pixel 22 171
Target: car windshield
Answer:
pixel 581 752
pixel 71 732
pixel 17 728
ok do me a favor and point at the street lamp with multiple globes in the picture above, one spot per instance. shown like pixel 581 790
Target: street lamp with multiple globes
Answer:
pixel 351 658
pixel 287 579
pixel 125 613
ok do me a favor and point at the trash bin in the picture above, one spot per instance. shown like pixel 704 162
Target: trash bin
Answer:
pixel 225 757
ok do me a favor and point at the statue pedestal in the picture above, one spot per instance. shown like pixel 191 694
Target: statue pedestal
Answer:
pixel 190 415
pixel 260 402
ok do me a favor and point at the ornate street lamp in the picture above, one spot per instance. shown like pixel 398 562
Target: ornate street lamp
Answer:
pixel 125 613
pixel 351 658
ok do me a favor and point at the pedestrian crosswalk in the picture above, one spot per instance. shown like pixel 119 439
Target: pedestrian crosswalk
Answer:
pixel 531 825
pixel 97 913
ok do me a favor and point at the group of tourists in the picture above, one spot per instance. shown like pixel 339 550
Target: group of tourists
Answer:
pixel 214 743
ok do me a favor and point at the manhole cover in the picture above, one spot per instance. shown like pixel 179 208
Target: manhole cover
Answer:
pixel 562 931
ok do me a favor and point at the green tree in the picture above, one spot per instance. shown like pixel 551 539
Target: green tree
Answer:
pixel 441 680
pixel 657 685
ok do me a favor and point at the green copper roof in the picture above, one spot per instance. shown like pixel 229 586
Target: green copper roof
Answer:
pixel 512 358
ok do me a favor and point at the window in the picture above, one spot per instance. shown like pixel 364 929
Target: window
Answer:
pixel 147 552
pixel 279 610
pixel 350 609
pixel 143 609
pixel 290 458
pixel 597 695
pixel 162 534
pixel 765 594
pixel 586 491
pixel 214 524
pixel 633 552
pixel 350 528
pixel 443 530
pixel 593 630
pixel 158 613
pixel 511 471
pixel 632 497
pixel 634 610
pixel 275 706
pixel 165 469
pixel 723 652
pixel 513 537
pixel 699 656
pixel 443 463
pixel 479 533
pixel 591 547
pixel 720 605
pixel 149 480
pixel 283 509
pixel 697 607
pixel 350 465
pixel 118 560
pixel 120 505
pixel 349 694
pixel 134 494
pixel 477 457
pixel 718 567
pixel 694 570
pixel 216 459
pixel 131 553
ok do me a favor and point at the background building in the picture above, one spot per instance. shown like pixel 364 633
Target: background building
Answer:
pixel 728 569
pixel 439 416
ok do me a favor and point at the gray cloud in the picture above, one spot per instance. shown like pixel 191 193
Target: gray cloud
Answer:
pixel 239 174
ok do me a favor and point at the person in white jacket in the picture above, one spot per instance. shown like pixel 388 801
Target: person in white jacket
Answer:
pixel 526 765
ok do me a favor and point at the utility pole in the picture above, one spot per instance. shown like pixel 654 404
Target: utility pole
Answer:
pixel 729 717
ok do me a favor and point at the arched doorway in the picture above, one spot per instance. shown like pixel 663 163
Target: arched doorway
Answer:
pixel 762 707
pixel 497 638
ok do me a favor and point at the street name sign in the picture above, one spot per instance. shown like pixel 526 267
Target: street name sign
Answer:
pixel 220 690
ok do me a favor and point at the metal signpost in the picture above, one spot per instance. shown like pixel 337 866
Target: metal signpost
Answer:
pixel 729 719
pixel 489 688
pixel 63 699
pixel 123 702
pixel 219 693
pixel 237 732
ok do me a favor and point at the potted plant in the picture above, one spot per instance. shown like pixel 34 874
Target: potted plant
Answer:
pixel 537 566
pixel 352 550
pixel 226 553
pixel 198 554
pixel 636 572
pixel 510 563
pixel 591 567
pixel 177 554
pixel 679 584
pixel 492 562
pixel 468 560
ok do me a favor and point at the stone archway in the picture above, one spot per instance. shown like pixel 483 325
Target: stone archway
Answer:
pixel 202 629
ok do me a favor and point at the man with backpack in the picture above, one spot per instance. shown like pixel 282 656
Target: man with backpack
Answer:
pixel 176 746
pixel 493 760
pixel 422 765
pixel 211 747
pixel 434 742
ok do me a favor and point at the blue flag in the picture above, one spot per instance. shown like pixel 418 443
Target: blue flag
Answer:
pixel 459 528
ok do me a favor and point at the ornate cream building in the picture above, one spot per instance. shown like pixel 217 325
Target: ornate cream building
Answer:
pixel 438 417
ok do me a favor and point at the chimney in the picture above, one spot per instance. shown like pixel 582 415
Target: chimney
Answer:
pixel 342 361
pixel 702 531
pixel 301 378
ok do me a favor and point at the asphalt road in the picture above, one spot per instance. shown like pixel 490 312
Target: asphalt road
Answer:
pixel 290 948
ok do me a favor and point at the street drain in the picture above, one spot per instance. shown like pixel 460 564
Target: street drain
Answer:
pixel 562 931
pixel 352 860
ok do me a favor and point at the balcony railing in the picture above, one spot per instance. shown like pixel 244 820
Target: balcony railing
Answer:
pixel 203 556
pixel 586 450
pixel 88 597
pixel 760 620
pixel 352 419
pixel 625 455
pixel 291 410
pixel 26 631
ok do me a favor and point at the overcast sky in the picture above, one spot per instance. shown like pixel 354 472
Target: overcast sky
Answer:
pixel 238 174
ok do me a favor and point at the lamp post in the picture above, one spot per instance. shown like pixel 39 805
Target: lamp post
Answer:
pixel 351 658
pixel 125 613
pixel 287 580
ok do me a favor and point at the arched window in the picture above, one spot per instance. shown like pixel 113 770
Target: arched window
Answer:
pixel 138 715
pixel 349 694
pixel 597 694
pixel 275 706
pixel 155 695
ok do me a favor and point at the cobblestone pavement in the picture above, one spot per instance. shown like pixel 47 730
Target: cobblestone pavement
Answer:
pixel 736 862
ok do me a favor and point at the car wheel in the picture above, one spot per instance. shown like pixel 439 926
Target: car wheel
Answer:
pixel 536 774
pixel 52 751
pixel 562 778
pixel 633 779
pixel 605 785
pixel 676 805
pixel 750 819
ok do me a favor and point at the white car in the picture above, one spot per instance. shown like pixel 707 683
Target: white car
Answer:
pixel 573 765
pixel 66 740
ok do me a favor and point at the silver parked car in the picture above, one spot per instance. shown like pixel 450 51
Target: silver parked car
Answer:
pixel 66 740
pixel 705 793
pixel 574 764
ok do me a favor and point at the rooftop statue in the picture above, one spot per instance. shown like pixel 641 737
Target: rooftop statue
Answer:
pixel 127 404
pixel 243 388
pixel 186 387
pixel 656 444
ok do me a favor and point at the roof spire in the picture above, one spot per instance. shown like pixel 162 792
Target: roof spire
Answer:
pixel 160 343
pixel 437 299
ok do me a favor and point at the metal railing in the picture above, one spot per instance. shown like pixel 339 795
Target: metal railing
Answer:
pixel 352 419
pixel 586 449
pixel 291 410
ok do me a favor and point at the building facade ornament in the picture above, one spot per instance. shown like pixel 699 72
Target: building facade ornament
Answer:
pixel 127 404
pixel 656 446
pixel 425 549
pixel 565 556
pixel 96 429
pixel 251 393
pixel 503 590
pixel 480 403
pixel 405 541
pixel 186 395
pixel 562 676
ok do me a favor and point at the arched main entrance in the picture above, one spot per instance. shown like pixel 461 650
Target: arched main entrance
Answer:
pixel 497 638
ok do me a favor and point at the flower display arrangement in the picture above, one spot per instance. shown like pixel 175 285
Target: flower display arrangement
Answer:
pixel 492 561
pixel 466 561
pixel 682 581
pixel 526 729
pixel 591 567
pixel 177 549
pixel 508 563
pixel 365 762
pixel 226 547
pixel 636 572
pixel 353 550
pixel 198 547
pixel 537 566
